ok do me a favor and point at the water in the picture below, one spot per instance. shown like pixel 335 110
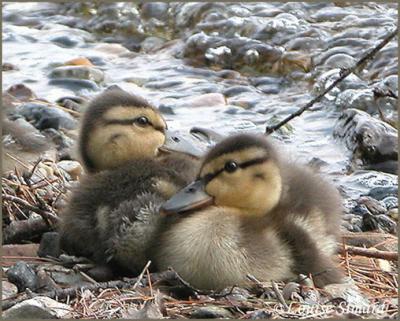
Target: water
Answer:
pixel 37 37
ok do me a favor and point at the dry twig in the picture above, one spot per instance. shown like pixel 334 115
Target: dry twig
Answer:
pixel 344 74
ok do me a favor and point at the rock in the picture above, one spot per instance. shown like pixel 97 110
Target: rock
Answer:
pixel 39 307
pixel 157 10
pixel 66 41
pixel 206 100
pixel 21 92
pixel 369 139
pixel 150 311
pixel 78 72
pixel 23 276
pixel 152 44
pixel 43 116
pixel 6 66
pixel 259 314
pixel 49 245
pixel 81 61
pixel 346 292
pixel 25 135
pixel 289 289
pixel 381 192
pixel 210 312
pixel 375 207
pixel 8 290
pixel 73 168
pixel 75 85
pixel 390 202
pixel 394 213
pixel 20 249
pixel 379 222
pixel 112 48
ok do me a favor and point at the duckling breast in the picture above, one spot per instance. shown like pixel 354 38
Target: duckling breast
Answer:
pixel 211 250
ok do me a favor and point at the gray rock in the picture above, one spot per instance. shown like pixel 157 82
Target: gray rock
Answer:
pixel 210 312
pixel 158 10
pixel 50 245
pixel 347 292
pixel 374 207
pixel 43 116
pixel 23 276
pixel 369 139
pixel 78 72
pixel 75 85
pixel 39 307
pixel 8 290
pixel 259 314
pixel 391 202
pixel 21 92
pixel 381 192
pixel 379 222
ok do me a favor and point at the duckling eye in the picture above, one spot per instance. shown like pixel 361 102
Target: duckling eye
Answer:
pixel 231 166
pixel 142 121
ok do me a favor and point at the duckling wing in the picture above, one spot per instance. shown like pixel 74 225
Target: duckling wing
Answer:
pixel 132 227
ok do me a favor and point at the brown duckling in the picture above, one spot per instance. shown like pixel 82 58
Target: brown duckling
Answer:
pixel 250 212
pixel 126 149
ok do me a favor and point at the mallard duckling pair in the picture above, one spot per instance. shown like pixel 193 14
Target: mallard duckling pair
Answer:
pixel 126 149
pixel 250 212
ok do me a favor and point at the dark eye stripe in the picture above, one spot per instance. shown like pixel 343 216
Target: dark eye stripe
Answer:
pixel 129 122
pixel 207 178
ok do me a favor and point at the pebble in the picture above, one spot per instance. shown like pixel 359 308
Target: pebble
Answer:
pixel 23 276
pixel 39 307
pixel 380 222
pixel 380 192
pixel 43 116
pixel 8 290
pixel 375 207
pixel 73 168
pixel 210 312
pixel 49 245
pixel 81 61
pixel 6 66
pixel 66 41
pixel 259 314
pixel 369 139
pixel 78 72
pixel 346 292
pixel 112 48
pixel 21 92
pixel 205 100
pixel 75 85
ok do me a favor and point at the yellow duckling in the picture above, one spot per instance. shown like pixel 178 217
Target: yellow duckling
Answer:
pixel 126 149
pixel 250 212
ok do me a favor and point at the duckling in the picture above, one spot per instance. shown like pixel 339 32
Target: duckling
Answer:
pixel 131 170
pixel 250 212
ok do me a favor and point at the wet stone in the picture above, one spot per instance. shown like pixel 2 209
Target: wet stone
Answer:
pixel 259 314
pixel 78 72
pixel 381 192
pixel 66 41
pixel 8 290
pixel 43 116
pixel 379 222
pixel 50 245
pixel 370 140
pixel 23 276
pixel 390 202
pixel 6 66
pixel 38 308
pixel 75 85
pixel 374 207
pixel 158 10
pixel 210 312
pixel 21 92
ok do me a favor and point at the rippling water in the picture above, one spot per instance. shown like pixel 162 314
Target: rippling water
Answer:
pixel 37 37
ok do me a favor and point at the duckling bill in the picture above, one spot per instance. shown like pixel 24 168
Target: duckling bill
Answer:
pixel 251 212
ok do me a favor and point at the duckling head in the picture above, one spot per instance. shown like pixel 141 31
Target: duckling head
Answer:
pixel 241 172
pixel 118 127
